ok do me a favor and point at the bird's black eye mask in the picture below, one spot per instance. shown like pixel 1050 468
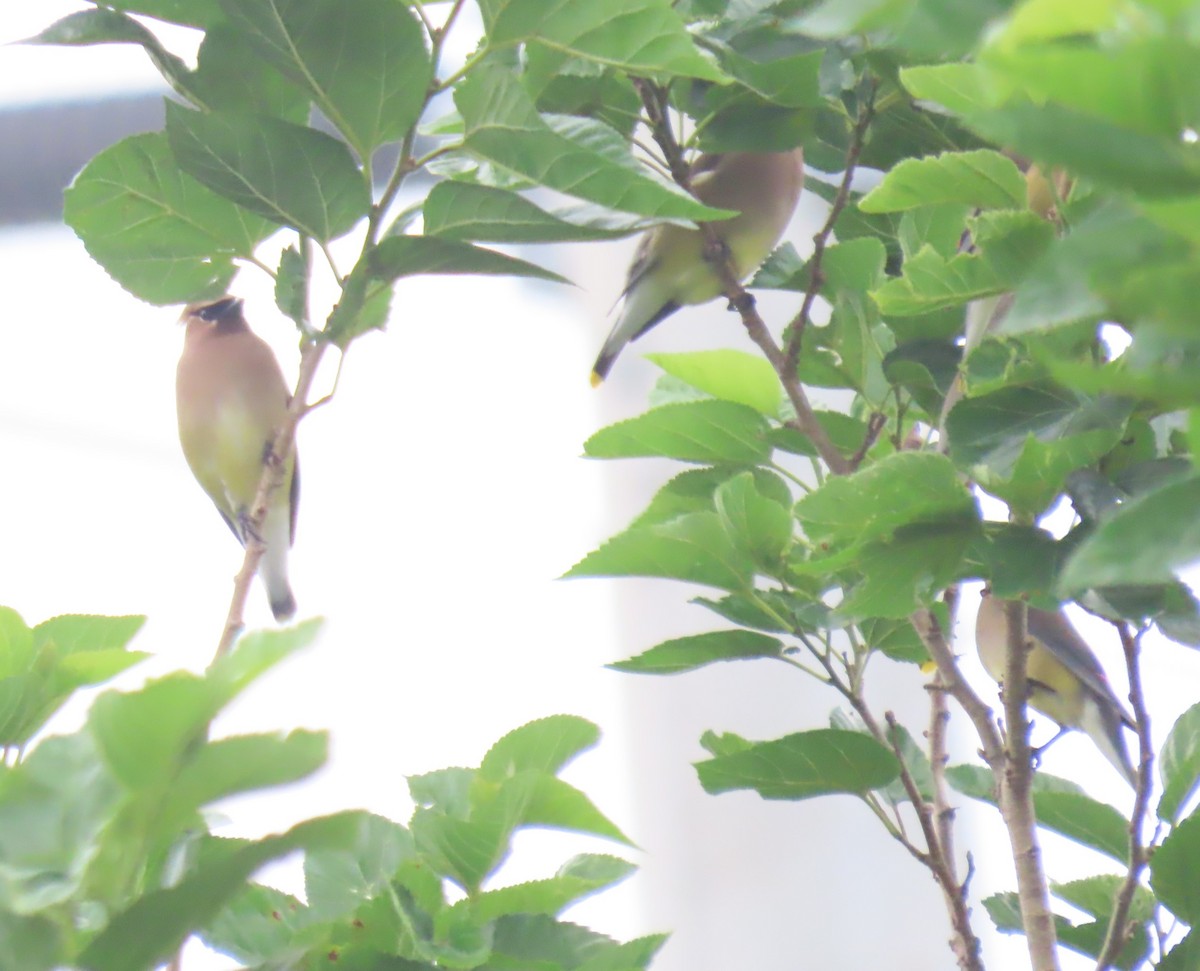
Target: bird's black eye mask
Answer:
pixel 219 310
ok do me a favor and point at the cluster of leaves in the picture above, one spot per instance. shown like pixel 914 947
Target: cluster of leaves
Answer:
pixel 107 862
pixel 279 130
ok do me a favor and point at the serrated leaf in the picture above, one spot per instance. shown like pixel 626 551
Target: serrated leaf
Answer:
pixel 1147 541
pixel 368 70
pixel 1060 806
pixel 156 924
pixel 504 127
pixel 642 37
pixel 982 178
pixel 900 490
pixel 690 653
pixel 1179 764
pixel 467 211
pixel 293 175
pixel 1021 443
pixel 698 431
pixel 401 256
pixel 544 745
pixel 337 880
pixel 727 375
pixel 1173 870
pixel 802 765
pixel 157 231
pixel 693 547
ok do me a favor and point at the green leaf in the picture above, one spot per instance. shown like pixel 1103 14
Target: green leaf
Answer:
pixel 400 256
pixel 256 653
pixel 293 175
pixel 146 735
pixel 466 211
pixel 231 75
pixel 291 286
pixel 156 924
pixel 983 178
pixel 366 69
pixel 698 431
pixel 931 282
pixel 906 572
pixel 727 375
pixel 579 878
pixel 900 490
pixel 926 369
pixel 1173 870
pixel 799 766
pixel 1061 806
pixel 1179 765
pixel 338 879
pixel 103 26
pixel 781 68
pixel 40 669
pixel 1152 165
pixel 54 806
pixel 642 37
pixel 1017 561
pixel 755 523
pixel 260 924
pixel 1021 443
pixel 1095 896
pixel 693 547
pixel 963 88
pixel 1147 541
pixel 72 634
pixel 31 943
pixel 241 764
pixel 537 799
pixel 544 745
pixel 503 126
pixel 693 490
pixel 190 13
pixel 690 653
pixel 157 231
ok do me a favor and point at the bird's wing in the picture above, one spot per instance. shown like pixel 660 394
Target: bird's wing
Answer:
pixel 1075 655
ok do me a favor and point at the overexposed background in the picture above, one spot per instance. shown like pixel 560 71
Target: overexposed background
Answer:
pixel 443 493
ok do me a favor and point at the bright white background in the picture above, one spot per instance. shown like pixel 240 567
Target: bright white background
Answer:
pixel 443 493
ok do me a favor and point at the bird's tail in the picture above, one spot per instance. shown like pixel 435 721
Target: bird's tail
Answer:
pixel 274 564
pixel 1102 722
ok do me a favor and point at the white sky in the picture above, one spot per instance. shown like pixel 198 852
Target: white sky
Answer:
pixel 442 494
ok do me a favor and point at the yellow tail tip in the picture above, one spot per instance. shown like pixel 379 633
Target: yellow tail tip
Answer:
pixel 596 379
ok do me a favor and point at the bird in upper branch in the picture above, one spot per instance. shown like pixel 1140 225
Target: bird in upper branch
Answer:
pixel 669 269
pixel 231 400
pixel 1066 681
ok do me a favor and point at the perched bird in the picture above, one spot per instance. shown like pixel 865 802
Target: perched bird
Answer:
pixel 231 399
pixel 1066 681
pixel 669 269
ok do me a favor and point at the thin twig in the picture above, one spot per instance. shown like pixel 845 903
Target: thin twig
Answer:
pixel 816 276
pixel 875 424
pixel 934 858
pixel 274 471
pixel 715 251
pixel 1120 928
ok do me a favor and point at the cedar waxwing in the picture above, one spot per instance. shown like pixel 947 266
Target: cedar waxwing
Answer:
pixel 1066 681
pixel 231 399
pixel 669 269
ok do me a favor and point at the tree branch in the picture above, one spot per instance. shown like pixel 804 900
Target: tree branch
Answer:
pixel 274 471
pixel 816 276
pixel 715 251
pixel 1015 797
pixel 1120 929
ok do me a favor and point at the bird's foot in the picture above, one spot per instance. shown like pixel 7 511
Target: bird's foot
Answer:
pixel 246 528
